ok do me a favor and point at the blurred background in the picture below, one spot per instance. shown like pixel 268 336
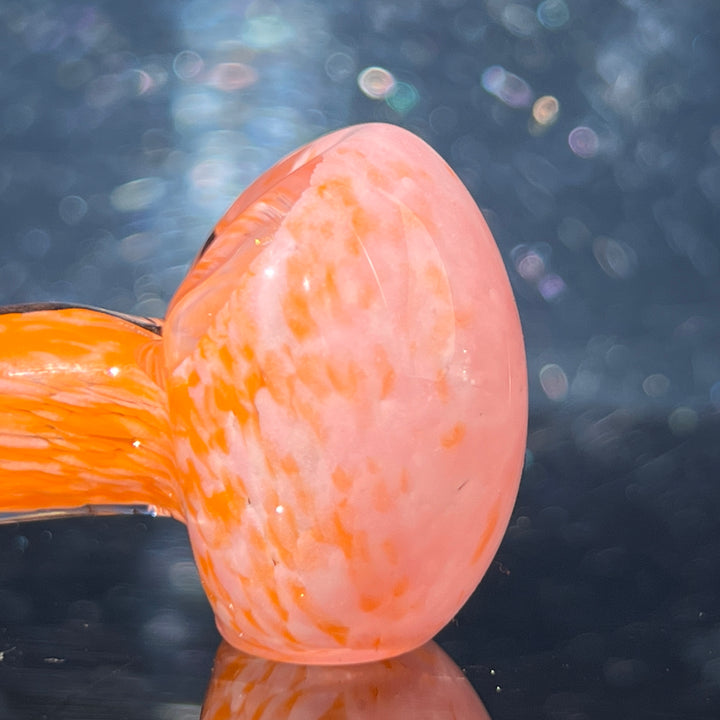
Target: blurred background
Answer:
pixel 589 134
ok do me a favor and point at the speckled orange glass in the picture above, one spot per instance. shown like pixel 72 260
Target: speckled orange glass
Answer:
pixel 335 405
pixel 423 685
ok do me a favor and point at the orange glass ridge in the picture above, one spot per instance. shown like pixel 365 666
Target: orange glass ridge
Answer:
pixel 335 405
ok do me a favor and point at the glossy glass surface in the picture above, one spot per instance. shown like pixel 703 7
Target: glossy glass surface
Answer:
pixel 343 499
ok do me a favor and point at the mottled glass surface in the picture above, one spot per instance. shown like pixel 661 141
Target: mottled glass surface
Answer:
pixel 589 134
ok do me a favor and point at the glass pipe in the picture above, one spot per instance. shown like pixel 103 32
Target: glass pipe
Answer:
pixel 424 684
pixel 335 405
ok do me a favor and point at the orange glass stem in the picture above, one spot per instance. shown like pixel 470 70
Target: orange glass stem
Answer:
pixel 82 419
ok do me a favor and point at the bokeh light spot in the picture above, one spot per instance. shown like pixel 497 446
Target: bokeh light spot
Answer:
pixel 403 98
pixel 656 385
pixel 553 14
pixel 573 233
pixel 137 194
pixel 519 20
pixel 616 258
pixel 551 286
pixel 376 82
pixel 142 81
pixel 265 32
pixel 530 265
pixel 231 76
pixel 443 119
pixel 196 108
pixel 339 66
pixel 187 64
pixel 554 382
pixel 507 87
pixel 72 209
pixel 545 110
pixel 213 173
pixel 138 246
pixel 584 142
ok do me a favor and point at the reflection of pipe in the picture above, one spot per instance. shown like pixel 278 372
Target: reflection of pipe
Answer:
pixel 422 684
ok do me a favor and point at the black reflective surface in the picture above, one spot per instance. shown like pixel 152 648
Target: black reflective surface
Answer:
pixel 588 132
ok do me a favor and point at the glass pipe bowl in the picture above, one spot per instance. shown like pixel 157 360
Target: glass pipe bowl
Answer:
pixel 347 401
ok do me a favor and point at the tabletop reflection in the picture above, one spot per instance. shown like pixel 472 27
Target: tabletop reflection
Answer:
pixel 425 683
